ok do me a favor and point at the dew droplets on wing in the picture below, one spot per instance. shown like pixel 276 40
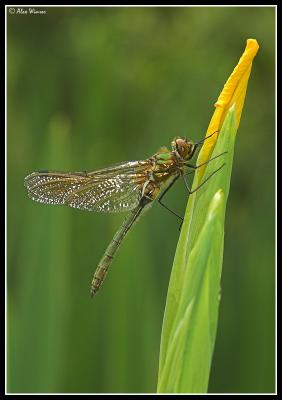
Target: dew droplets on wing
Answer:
pixel 50 189
pixel 108 195
pixel 113 189
pixel 113 195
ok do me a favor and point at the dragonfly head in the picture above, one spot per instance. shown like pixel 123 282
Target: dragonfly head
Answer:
pixel 183 148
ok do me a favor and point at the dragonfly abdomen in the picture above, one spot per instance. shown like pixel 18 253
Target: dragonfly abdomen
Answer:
pixel 105 262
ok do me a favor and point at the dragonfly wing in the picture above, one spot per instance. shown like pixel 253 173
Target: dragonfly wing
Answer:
pixel 109 195
pixel 51 188
pixel 114 189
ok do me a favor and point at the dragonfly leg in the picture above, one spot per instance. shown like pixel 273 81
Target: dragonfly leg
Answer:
pixel 204 163
pixel 198 187
pixel 170 210
pixel 180 226
pixel 162 195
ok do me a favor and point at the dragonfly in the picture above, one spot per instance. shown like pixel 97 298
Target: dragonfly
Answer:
pixel 131 186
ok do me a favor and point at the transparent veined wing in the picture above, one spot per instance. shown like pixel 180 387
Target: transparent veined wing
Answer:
pixel 113 189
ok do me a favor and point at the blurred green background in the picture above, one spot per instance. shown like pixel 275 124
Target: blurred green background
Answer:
pixel 89 87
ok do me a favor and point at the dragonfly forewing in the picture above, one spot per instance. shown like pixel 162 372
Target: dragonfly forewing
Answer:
pixel 114 189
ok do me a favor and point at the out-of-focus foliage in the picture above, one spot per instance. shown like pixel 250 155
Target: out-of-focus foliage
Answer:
pixel 88 87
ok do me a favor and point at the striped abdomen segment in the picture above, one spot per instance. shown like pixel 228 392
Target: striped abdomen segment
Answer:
pixel 102 269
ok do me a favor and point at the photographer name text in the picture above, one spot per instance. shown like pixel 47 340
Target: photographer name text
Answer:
pixel 27 11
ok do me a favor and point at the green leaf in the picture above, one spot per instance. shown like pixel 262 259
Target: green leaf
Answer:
pixel 191 312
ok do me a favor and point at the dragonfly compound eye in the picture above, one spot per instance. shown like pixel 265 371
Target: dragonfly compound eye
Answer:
pixel 184 148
